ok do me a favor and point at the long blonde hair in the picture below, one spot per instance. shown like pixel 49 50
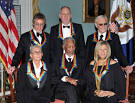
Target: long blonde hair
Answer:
pixel 97 47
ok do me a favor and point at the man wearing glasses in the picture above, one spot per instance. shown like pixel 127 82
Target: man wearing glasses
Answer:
pixel 36 36
pixel 102 34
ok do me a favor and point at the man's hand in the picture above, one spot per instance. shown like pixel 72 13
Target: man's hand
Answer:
pixel 112 27
pixel 11 70
pixel 72 81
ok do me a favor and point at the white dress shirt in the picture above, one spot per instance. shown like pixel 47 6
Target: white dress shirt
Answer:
pixel 104 35
pixel 38 37
pixel 37 70
pixel 66 31
pixel 66 56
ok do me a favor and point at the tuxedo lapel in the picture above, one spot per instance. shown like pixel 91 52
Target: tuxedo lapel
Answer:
pixel 42 83
pixel 31 80
pixel 34 35
pixel 43 79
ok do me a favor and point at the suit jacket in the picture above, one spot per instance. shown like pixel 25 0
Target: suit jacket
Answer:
pixel 116 48
pixel 27 90
pixel 56 50
pixel 23 49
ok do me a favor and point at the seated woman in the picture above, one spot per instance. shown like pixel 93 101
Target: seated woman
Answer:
pixel 33 84
pixel 105 79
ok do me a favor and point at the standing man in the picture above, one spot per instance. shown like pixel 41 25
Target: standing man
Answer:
pixel 36 36
pixel 64 29
pixel 67 72
pixel 102 34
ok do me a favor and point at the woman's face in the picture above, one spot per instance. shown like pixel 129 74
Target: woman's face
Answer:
pixel 102 52
pixel 36 54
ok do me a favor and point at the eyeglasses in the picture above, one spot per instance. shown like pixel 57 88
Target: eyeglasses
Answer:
pixel 36 52
pixel 36 24
pixel 105 24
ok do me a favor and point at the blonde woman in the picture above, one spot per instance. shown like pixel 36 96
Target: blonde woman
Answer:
pixel 105 78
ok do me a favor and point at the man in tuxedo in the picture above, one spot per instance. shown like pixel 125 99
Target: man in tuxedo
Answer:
pixel 36 36
pixel 64 29
pixel 67 72
pixel 102 33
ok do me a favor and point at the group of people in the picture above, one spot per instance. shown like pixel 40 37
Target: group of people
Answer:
pixel 60 66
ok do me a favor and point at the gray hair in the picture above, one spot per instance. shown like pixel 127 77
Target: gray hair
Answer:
pixel 65 7
pixel 33 46
pixel 68 38
pixel 101 16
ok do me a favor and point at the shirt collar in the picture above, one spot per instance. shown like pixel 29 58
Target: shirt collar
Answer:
pixel 67 56
pixel 104 35
pixel 39 66
pixel 65 25
pixel 35 32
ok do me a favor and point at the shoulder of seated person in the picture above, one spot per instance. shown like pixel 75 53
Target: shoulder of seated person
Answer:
pixel 112 61
pixel 92 62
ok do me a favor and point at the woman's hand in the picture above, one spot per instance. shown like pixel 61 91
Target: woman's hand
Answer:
pixel 102 93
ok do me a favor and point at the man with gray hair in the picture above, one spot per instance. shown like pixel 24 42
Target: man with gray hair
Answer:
pixel 65 28
pixel 102 34
pixel 68 70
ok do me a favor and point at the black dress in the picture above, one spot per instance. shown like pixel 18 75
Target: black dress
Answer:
pixel 114 80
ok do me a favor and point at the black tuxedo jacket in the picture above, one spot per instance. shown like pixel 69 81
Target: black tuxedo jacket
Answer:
pixel 23 49
pixel 116 48
pixel 56 50
pixel 27 89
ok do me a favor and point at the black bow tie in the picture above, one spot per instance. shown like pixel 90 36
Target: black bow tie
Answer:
pixel 69 59
pixel 66 26
pixel 39 34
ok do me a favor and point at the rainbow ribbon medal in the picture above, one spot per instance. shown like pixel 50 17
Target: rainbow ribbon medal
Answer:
pixel 60 35
pixel 108 37
pixel 35 42
pixel 104 72
pixel 73 66
pixel 33 76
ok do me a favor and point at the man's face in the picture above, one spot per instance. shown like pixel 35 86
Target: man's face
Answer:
pixel 65 16
pixel 69 47
pixel 39 25
pixel 101 25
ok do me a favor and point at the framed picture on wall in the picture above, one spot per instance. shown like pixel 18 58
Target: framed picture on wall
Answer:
pixel 93 8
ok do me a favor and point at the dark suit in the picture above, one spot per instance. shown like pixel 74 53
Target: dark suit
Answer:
pixel 64 90
pixel 116 48
pixel 27 90
pixel 56 50
pixel 23 49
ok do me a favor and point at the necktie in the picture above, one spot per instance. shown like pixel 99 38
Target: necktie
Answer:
pixel 101 38
pixel 69 59
pixel 66 26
